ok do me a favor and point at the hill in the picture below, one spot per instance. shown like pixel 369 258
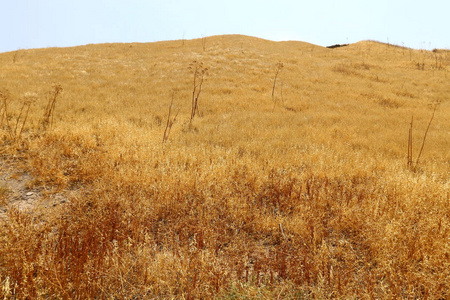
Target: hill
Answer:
pixel 293 179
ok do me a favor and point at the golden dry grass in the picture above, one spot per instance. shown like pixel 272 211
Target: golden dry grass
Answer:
pixel 307 197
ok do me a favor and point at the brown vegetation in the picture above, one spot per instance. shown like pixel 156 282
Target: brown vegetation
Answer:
pixel 242 202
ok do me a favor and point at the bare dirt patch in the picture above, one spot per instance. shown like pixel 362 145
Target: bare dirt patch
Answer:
pixel 18 191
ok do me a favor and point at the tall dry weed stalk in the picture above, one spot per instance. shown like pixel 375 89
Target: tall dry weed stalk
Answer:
pixel 15 56
pixel 425 135
pixel 14 128
pixel 410 162
pixel 204 43
pixel 438 59
pixel 410 143
pixel 22 117
pixel 170 120
pixel 199 71
pixel 4 96
pixel 279 66
pixel 47 120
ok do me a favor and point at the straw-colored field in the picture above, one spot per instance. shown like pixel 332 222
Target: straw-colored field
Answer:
pixel 303 194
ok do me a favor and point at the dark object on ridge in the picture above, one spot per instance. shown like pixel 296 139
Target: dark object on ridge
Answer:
pixel 337 46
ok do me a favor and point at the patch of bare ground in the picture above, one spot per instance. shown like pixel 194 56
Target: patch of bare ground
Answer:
pixel 19 192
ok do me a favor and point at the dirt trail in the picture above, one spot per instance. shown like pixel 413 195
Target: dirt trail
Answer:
pixel 17 191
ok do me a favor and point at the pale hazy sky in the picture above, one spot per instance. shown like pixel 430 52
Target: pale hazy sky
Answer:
pixel 59 23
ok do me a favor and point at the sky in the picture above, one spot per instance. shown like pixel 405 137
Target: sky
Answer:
pixel 26 24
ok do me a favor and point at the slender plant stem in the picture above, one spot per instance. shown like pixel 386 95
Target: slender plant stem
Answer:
pixel 169 121
pixel 199 76
pixel 410 141
pixel 425 136
pixel 25 119
pixel 279 66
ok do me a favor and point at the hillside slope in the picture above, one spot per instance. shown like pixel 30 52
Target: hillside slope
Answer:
pixel 295 189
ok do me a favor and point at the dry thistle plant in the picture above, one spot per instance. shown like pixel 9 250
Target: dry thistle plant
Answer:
pixel 170 121
pixel 410 144
pixel 410 162
pixel 5 96
pixel 49 111
pixel 199 71
pixel 204 43
pixel 23 116
pixel 15 130
pixel 279 66
pixel 15 56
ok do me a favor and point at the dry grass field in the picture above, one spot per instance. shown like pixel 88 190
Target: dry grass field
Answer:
pixel 298 190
